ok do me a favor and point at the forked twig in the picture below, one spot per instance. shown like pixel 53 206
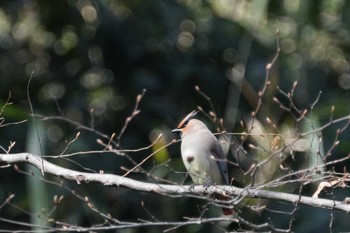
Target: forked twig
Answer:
pixel 133 114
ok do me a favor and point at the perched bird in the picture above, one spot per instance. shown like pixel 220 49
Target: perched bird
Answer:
pixel 202 155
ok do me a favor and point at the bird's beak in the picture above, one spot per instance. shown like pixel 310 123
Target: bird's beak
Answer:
pixel 176 131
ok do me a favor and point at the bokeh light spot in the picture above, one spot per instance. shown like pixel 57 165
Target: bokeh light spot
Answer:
pixel 52 91
pixel 188 26
pixel 54 133
pixel 230 55
pixel 89 14
pixel 344 81
pixel 185 41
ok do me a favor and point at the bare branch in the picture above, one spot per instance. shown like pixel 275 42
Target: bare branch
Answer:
pixel 197 191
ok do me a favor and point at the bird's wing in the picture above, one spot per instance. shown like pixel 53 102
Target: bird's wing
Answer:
pixel 240 155
pixel 220 161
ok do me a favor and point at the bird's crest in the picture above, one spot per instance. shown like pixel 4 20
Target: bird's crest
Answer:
pixel 185 121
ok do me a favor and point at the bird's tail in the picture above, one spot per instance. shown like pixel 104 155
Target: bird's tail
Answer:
pixel 225 210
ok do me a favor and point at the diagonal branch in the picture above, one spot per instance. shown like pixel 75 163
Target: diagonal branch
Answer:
pixel 120 181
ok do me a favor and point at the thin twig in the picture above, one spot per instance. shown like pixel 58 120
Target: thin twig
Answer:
pixel 133 114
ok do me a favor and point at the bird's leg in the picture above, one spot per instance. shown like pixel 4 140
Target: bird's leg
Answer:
pixel 206 186
pixel 191 188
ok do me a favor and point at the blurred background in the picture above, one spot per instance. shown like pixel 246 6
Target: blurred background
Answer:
pixel 92 58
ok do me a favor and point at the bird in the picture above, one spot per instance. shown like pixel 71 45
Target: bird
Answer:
pixel 202 155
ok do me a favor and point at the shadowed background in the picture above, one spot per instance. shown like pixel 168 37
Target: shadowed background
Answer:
pixel 101 54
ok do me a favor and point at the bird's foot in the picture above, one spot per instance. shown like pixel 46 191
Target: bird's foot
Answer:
pixel 206 186
pixel 191 188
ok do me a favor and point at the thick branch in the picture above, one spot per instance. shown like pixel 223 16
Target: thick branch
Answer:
pixel 119 181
